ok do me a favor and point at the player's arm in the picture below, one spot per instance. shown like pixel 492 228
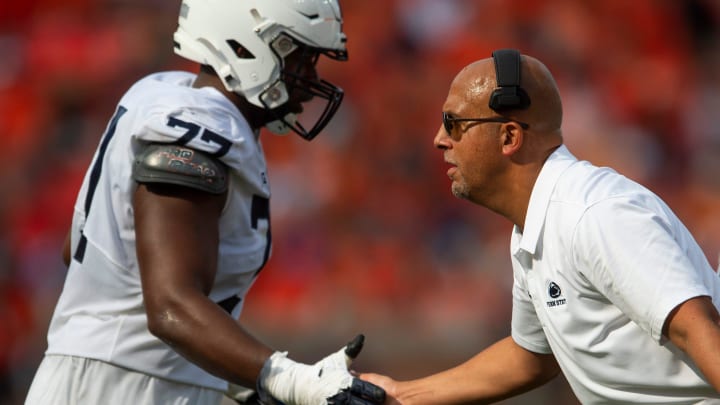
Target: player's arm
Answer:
pixel 177 233
pixel 66 250
pixel 503 370
pixel 177 246
pixel 694 327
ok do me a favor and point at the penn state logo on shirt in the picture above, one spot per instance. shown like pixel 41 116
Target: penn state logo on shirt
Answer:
pixel 555 294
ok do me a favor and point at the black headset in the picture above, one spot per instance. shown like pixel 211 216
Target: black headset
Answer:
pixel 508 95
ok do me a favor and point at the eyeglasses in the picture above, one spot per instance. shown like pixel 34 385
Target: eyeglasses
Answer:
pixel 448 121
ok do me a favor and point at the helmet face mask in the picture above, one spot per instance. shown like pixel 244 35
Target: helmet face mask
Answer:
pixel 301 88
pixel 247 42
pixel 313 89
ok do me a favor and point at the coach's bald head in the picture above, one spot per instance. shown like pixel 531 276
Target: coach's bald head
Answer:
pixel 496 164
pixel 545 111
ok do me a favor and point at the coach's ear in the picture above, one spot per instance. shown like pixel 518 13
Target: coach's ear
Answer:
pixel 512 136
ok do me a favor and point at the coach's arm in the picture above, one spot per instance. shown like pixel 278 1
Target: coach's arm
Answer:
pixel 694 327
pixel 501 371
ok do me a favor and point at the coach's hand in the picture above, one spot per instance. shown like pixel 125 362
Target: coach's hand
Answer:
pixel 327 382
pixel 389 385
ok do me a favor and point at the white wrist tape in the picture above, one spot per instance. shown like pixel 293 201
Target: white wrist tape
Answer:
pixel 295 383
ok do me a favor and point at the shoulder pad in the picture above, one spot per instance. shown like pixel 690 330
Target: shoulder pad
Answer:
pixel 173 164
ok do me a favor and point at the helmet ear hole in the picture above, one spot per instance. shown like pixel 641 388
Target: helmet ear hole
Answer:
pixel 239 50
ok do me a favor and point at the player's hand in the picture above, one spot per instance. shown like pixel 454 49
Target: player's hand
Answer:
pixel 359 391
pixel 327 382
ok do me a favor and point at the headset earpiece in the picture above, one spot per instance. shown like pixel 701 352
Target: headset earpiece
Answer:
pixel 508 95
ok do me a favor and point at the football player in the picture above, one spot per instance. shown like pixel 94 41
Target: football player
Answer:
pixel 171 225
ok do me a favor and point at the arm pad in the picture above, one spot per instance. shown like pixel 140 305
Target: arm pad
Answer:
pixel 173 164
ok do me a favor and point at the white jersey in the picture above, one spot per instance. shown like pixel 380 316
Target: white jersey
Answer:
pixel 100 313
pixel 600 264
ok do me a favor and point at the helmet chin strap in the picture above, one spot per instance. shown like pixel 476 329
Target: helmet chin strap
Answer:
pixel 279 127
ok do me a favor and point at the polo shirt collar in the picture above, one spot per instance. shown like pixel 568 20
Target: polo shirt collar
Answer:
pixel 550 173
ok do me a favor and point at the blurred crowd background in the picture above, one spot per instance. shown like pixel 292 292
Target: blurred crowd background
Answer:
pixel 367 236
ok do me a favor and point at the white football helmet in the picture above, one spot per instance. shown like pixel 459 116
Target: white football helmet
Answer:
pixel 211 31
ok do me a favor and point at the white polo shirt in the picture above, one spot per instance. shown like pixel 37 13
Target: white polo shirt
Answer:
pixel 601 263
